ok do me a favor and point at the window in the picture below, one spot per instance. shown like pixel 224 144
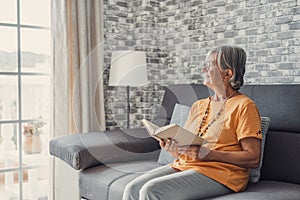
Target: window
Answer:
pixel 25 72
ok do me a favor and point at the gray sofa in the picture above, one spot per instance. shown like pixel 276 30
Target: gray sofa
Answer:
pixel 108 160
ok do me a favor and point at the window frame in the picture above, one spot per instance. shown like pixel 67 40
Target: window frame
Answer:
pixel 19 74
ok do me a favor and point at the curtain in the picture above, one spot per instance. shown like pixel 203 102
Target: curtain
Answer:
pixel 77 59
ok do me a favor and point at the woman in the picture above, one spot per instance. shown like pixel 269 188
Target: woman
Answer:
pixel 230 124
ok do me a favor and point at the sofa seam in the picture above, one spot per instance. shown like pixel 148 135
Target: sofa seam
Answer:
pixel 109 185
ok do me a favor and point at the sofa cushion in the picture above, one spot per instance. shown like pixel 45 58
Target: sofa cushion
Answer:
pixel 165 158
pixel 179 116
pixel 281 159
pixel 109 181
pixel 279 102
pixel 86 150
pixel 255 173
pixel 265 190
pixel 185 94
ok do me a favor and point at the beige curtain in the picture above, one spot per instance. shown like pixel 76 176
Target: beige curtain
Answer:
pixel 77 50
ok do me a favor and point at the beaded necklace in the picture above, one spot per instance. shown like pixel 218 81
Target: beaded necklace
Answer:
pixel 201 133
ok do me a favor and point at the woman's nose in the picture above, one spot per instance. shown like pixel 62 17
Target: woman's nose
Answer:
pixel 204 68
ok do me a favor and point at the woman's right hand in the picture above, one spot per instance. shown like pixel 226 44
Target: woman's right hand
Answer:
pixel 170 146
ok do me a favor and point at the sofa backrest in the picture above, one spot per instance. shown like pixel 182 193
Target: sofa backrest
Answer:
pixel 279 102
pixel 185 94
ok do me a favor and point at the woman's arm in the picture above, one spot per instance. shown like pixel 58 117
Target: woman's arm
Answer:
pixel 249 157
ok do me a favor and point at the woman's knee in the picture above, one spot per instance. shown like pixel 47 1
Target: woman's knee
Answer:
pixel 152 191
pixel 131 191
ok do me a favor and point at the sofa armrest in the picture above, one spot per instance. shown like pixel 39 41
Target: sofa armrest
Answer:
pixel 86 150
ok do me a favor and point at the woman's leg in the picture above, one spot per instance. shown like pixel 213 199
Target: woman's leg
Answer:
pixel 182 186
pixel 132 189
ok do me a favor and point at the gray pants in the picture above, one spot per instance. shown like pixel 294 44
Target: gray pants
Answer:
pixel 164 183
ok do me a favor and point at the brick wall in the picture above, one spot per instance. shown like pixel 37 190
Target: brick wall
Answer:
pixel 176 34
pixel 132 25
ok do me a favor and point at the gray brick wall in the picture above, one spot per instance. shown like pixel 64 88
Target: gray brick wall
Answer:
pixel 177 34
pixel 132 25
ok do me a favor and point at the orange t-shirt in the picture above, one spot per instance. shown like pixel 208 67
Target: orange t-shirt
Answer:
pixel 239 119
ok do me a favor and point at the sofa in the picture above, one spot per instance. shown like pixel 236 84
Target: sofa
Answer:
pixel 106 161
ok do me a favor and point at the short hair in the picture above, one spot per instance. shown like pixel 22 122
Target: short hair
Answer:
pixel 234 58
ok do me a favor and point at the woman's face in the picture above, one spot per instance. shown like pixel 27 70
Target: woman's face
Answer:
pixel 213 75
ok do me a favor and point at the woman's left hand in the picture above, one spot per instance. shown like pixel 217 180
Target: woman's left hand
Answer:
pixel 195 152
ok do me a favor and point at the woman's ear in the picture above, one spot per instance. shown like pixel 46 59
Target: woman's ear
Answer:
pixel 228 73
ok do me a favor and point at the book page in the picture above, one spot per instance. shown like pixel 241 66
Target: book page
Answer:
pixel 181 135
pixel 163 128
pixel 150 126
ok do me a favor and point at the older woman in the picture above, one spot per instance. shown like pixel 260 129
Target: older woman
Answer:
pixel 230 124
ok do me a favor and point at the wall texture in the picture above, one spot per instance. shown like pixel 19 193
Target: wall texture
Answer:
pixel 176 34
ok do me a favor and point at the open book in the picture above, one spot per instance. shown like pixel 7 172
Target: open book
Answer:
pixel 181 135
